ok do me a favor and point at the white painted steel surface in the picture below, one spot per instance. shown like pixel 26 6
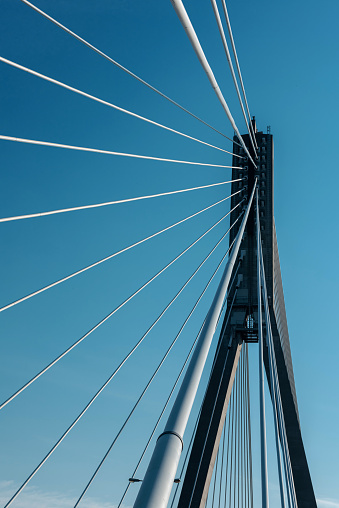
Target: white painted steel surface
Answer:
pixel 188 27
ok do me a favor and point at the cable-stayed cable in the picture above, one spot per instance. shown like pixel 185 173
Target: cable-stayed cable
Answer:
pixel 237 62
pixel 104 385
pixel 249 429
pixel 110 104
pixel 270 359
pixel 188 449
pixel 163 410
pixel 228 56
pixel 230 412
pixel 276 399
pixel 101 53
pixel 111 256
pixel 246 441
pixel 158 481
pixel 159 419
pixel 213 409
pixel 218 348
pixel 109 152
pixel 262 412
pixel 117 202
pixel 215 475
pixel 102 321
pixel 232 436
pixel 222 461
pixel 160 364
pixel 188 27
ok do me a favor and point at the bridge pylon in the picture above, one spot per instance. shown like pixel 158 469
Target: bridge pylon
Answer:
pixel 241 325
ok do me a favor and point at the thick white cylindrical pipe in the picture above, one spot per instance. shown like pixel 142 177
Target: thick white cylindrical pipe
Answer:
pixel 188 27
pixel 158 481
pixel 229 59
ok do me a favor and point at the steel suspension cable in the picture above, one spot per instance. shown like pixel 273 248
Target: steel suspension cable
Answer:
pixel 222 462
pixel 110 104
pixel 287 466
pixel 111 256
pixel 216 353
pixel 230 287
pixel 230 411
pixel 238 433
pixel 117 202
pixel 241 428
pixel 197 420
pixel 263 450
pixel 246 443
pixel 108 152
pixel 188 27
pixel 77 342
pixel 272 382
pixel 228 56
pixel 249 428
pixel 235 476
pixel 101 53
pixel 235 416
pixel 218 348
pixel 188 451
pixel 158 421
pixel 160 474
pixel 243 472
pixel 246 451
pixel 161 362
pixel 94 398
pixel 277 406
pixel 232 429
pixel 237 61
pixel 224 366
pixel 215 476
pixel 246 489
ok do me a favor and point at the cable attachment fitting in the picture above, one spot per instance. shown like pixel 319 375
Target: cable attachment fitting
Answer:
pixel 134 480
pixel 174 434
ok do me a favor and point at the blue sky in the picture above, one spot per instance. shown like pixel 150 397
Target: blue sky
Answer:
pixel 288 55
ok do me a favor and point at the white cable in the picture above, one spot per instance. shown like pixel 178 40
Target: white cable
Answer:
pixel 228 56
pixel 161 362
pixel 67 30
pixel 112 255
pixel 111 105
pixel 188 27
pixel 108 152
pixel 276 388
pixel 107 203
pixel 237 63
pixel 116 371
pixel 102 321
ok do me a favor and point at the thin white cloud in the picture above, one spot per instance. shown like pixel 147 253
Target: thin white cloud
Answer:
pixel 37 498
pixel 326 502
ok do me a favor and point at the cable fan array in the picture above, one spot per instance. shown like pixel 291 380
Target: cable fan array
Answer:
pixel 232 482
